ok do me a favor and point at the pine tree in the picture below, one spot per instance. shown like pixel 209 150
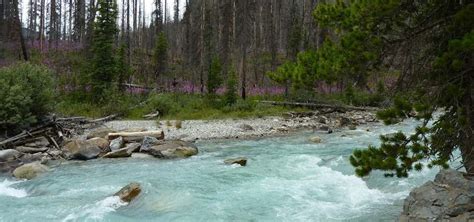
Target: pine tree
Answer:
pixel 123 69
pixel 214 79
pixel 160 56
pixel 230 96
pixel 438 75
pixel 104 64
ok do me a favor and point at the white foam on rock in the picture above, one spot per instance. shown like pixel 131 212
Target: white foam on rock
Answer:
pixel 98 210
pixel 7 190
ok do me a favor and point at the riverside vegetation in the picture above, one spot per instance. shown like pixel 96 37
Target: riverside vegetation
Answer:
pixel 412 58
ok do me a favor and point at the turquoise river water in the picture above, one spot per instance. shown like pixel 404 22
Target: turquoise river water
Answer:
pixel 286 179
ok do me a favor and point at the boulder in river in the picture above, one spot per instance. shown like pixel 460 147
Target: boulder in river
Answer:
pixel 173 149
pixel 102 143
pixel 30 170
pixel 9 154
pixel 116 144
pixel 129 192
pixel 242 161
pixel 82 150
pixel 450 197
pixel 315 139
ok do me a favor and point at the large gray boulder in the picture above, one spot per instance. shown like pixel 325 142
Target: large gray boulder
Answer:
pixel 26 149
pixel 102 143
pixel 82 150
pixel 116 144
pixel 30 170
pixel 173 149
pixel 449 197
pixel 9 154
pixel 148 142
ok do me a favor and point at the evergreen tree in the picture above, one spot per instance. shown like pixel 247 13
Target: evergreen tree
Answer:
pixel 160 56
pixel 123 69
pixel 103 62
pixel 214 79
pixel 439 76
pixel 230 96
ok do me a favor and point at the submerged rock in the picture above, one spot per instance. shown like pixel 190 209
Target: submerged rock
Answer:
pixel 450 197
pixel 30 170
pixel 242 161
pixel 173 149
pixel 129 192
pixel 9 154
pixel 82 150
pixel 315 139
pixel 116 144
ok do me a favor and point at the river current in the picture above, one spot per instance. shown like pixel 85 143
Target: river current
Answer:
pixel 286 179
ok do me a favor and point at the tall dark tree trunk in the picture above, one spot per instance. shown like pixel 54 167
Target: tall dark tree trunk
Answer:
pixel 467 149
pixel 16 14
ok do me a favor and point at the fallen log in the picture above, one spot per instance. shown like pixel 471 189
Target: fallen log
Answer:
pixel 27 134
pixel 136 136
pixel 341 108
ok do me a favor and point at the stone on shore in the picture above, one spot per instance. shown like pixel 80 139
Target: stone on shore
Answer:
pixel 315 139
pixel 9 154
pixel 450 197
pixel 30 170
pixel 26 149
pixel 129 192
pixel 173 149
pixel 100 132
pixel 123 152
pixel 241 161
pixel 82 150
pixel 148 142
pixel 120 153
pixel 246 127
pixel 102 143
pixel 116 144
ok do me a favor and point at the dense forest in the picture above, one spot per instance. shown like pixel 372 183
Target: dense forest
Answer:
pixel 415 56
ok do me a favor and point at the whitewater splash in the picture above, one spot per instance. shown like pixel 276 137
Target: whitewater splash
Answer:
pixel 98 210
pixel 7 190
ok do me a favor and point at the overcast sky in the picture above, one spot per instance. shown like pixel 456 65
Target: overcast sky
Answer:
pixel 148 6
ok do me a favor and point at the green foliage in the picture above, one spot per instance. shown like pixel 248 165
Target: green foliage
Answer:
pixel 160 55
pixel 365 29
pixel 214 79
pixel 26 95
pixel 104 65
pixel 230 96
pixel 123 68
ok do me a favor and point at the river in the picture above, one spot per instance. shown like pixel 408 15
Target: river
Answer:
pixel 286 179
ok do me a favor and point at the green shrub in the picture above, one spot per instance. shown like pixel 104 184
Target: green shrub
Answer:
pixel 230 96
pixel 26 95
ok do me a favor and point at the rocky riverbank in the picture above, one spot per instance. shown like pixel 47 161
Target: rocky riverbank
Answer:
pixel 193 130
pixel 450 197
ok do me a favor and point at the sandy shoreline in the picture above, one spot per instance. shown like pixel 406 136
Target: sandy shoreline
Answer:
pixel 193 130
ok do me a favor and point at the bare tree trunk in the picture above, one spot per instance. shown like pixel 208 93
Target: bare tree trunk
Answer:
pixel 16 13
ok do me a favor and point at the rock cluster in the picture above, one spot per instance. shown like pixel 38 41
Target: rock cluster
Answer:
pixel 450 197
pixel 25 162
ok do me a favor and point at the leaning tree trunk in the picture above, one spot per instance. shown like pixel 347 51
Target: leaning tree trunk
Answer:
pixel 467 148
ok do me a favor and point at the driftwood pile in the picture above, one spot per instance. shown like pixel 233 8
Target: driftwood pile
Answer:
pixel 55 130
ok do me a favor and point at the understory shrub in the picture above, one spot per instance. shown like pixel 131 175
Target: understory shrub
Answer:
pixel 26 95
